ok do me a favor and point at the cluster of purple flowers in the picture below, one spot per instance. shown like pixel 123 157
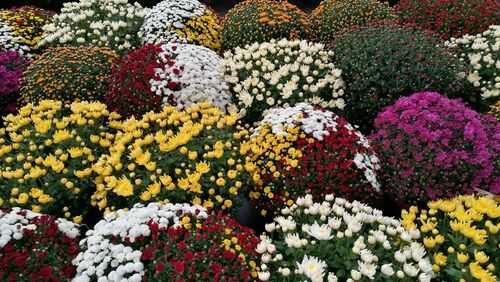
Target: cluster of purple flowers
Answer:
pixel 12 65
pixel 434 147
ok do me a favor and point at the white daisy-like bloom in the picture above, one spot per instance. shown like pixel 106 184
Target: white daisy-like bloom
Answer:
pixel 482 52
pixel 103 23
pixel 165 17
pixel 13 225
pixel 115 260
pixel 196 70
pixel 11 42
pixel 320 232
pixel 312 267
pixel 283 72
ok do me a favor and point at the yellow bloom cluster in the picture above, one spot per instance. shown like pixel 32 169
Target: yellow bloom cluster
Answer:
pixel 270 154
pixel 204 30
pixel 461 235
pixel 495 110
pixel 332 17
pixel 27 23
pixel 46 157
pixel 172 156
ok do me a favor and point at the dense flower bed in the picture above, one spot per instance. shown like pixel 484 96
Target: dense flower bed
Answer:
pixel 161 75
pixel 449 18
pixel 461 237
pixel 188 156
pixel 384 62
pixel 305 149
pixel 12 65
pixel 336 240
pixel 332 17
pixel 432 147
pixel 27 23
pixel 482 53
pixel 262 20
pixel 36 247
pixel 167 243
pixel 68 74
pixel 46 156
pixel 282 73
pixel 182 21
pixel 104 23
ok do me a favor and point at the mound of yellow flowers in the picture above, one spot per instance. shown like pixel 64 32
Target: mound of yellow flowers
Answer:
pixel 461 237
pixel 189 156
pixel 46 156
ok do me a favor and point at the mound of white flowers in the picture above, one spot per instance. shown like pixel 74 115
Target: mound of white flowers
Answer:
pixel 283 73
pixel 482 52
pixel 104 23
pixel 336 240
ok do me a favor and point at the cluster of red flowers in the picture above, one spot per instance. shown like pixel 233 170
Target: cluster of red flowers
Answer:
pixel 129 90
pixel 215 249
pixel 450 18
pixel 40 252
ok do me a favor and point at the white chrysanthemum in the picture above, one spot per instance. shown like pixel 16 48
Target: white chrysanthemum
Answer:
pixel 312 267
pixel 367 269
pixel 197 71
pixel 114 259
pixel 321 233
pixel 293 240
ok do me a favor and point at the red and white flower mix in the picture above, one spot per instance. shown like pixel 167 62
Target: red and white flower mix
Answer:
pixel 172 242
pixel 154 76
pixel 336 240
pixel 305 149
pixel 36 247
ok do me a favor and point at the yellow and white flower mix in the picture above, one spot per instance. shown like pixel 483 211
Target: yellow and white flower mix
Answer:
pixel 189 156
pixel 46 156
pixel 461 236
pixel 182 21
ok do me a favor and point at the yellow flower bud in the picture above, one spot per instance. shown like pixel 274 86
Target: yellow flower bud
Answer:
pixel 462 258
pixel 23 198
pixel 192 155
pixel 429 242
pixel 77 219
